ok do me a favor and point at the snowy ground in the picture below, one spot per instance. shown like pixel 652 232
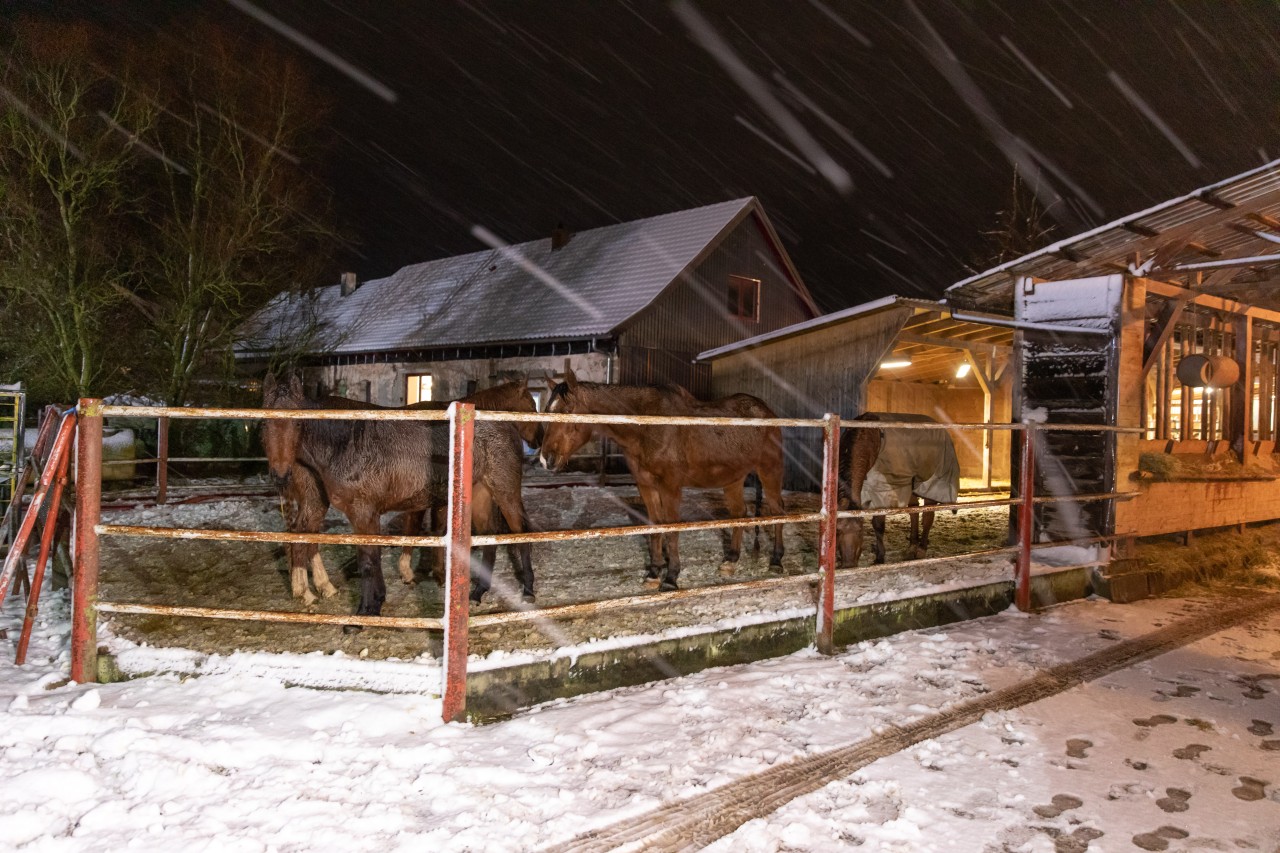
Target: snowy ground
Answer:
pixel 1177 753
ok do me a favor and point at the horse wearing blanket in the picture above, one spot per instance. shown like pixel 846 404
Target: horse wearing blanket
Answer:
pixel 889 468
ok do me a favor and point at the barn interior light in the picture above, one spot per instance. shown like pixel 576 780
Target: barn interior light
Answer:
pixel 963 370
pixel 895 362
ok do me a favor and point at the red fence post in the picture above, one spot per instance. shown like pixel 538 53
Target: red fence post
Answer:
pixel 162 460
pixel 827 533
pixel 84 594
pixel 1026 518
pixel 58 481
pixel 458 561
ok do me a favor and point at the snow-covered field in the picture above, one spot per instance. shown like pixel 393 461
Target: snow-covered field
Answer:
pixel 1177 753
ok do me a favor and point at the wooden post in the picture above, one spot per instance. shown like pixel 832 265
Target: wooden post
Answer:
pixel 458 561
pixel 162 460
pixel 1026 519
pixel 84 595
pixel 1240 425
pixel 827 534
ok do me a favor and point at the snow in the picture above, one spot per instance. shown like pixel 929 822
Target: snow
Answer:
pixel 239 760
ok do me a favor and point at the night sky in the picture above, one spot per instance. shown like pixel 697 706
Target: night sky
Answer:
pixel 881 137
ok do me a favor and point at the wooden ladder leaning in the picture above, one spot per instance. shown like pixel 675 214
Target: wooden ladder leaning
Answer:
pixel 51 481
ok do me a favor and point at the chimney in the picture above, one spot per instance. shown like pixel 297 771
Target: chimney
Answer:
pixel 349 283
pixel 560 237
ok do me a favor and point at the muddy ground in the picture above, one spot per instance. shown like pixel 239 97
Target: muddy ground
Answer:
pixel 255 576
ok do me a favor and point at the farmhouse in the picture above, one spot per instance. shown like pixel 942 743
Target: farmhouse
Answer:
pixel 631 303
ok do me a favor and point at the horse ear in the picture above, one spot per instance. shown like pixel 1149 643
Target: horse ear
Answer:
pixel 268 384
pixel 570 377
pixel 295 385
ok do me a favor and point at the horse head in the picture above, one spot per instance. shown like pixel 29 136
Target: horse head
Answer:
pixel 281 438
pixel 561 440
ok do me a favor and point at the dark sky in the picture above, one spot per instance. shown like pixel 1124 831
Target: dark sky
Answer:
pixel 880 136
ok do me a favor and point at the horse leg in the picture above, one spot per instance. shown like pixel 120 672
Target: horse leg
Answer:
pixel 925 525
pixel 774 506
pixel 437 554
pixel 373 589
pixel 511 507
pixel 411 526
pixel 671 513
pixel 913 538
pixel 877 524
pixel 482 523
pixel 652 507
pixel 848 538
pixel 307 506
pixel 736 504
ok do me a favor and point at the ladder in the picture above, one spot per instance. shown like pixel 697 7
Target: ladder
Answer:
pixel 12 468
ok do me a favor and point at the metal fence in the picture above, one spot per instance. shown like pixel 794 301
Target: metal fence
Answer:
pixel 458 540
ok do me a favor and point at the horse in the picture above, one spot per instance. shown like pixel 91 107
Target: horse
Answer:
pixel 884 468
pixel 366 468
pixel 665 459
pixel 304 503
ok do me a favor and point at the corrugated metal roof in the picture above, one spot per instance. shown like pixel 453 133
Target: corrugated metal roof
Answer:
pixel 521 293
pixel 1235 218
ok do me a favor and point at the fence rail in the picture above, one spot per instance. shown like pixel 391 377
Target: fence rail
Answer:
pixel 458 540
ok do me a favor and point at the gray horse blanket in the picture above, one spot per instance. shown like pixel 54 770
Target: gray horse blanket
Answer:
pixel 922 461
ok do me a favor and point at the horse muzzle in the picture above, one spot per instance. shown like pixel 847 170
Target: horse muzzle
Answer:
pixel 281 480
pixel 552 462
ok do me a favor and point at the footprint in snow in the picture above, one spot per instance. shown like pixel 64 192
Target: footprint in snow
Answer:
pixel 1159 839
pixel 1077 841
pixel 1177 800
pixel 1076 747
pixel 1271 745
pixel 1190 752
pixel 1156 720
pixel 1059 804
pixel 1261 728
pixel 1250 789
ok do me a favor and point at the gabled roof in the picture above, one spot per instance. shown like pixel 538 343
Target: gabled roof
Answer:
pixel 1224 239
pixel 589 288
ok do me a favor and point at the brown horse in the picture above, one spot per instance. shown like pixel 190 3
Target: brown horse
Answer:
pixel 885 468
pixel 304 503
pixel 366 468
pixel 665 459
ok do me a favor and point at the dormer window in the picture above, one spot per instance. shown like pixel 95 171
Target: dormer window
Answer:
pixel 744 298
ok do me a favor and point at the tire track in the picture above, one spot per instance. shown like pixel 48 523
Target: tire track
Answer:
pixel 698 821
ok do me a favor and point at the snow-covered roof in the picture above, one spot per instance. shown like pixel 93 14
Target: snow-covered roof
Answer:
pixel 1228 232
pixel 528 292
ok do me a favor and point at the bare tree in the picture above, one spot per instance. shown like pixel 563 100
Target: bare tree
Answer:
pixel 66 148
pixel 236 216
pixel 1021 226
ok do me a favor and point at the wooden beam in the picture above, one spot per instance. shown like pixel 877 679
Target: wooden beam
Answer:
pixel 1174 291
pixel 1165 325
pixel 1240 418
pixel 984 380
pixel 950 343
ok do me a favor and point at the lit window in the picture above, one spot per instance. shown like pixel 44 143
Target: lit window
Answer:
pixel 418 388
pixel 744 298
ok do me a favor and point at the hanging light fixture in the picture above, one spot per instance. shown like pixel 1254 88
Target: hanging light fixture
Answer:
pixel 900 361
pixel 963 370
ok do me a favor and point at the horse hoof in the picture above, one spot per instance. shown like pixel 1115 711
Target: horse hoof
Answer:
pixel 651 583
pixel 776 568
pixel 527 598
pixel 476 599
pixel 352 629
pixel 668 586
pixel 727 570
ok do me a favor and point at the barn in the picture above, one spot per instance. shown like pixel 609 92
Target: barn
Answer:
pixel 631 303
pixel 894 354
pixel 1177 335
pixel 1164 325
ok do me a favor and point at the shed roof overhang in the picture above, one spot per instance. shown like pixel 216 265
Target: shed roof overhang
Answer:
pixel 1220 241
pixel 933 338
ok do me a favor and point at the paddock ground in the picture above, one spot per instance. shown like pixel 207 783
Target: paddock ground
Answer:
pixel 254 576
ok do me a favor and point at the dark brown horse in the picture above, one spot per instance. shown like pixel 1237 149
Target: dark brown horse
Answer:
pixel 886 468
pixel 367 468
pixel 665 459
pixel 304 503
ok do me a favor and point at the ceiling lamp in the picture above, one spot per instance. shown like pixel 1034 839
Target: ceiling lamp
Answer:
pixel 895 362
pixel 963 370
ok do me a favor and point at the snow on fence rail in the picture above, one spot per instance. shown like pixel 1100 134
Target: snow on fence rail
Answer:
pixel 458 540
